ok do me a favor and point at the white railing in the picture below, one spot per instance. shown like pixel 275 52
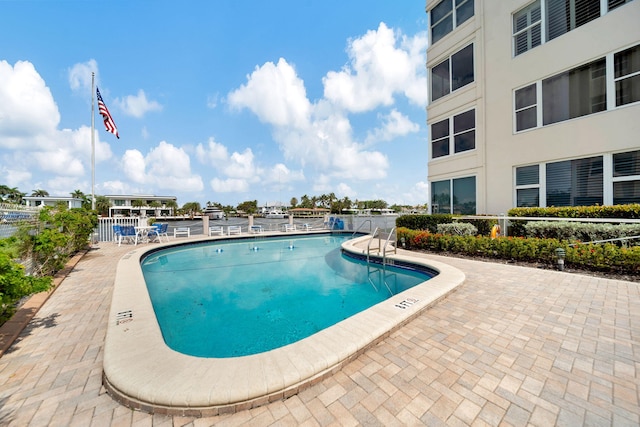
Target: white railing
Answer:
pixel 104 232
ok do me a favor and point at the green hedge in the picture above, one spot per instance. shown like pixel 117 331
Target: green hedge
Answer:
pixel 517 228
pixel 431 222
pixel 603 257
pixel 581 231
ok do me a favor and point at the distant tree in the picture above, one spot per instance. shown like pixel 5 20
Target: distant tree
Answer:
pixel 249 207
pixel 293 202
pixel 171 204
pixel 305 202
pixel 86 200
pixel 138 203
pixel 191 208
pixel 78 194
pixel 11 195
pixel 40 193
pixel 102 205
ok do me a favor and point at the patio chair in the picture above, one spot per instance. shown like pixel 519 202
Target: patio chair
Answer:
pixel 216 229
pixel 124 232
pixel 181 231
pixel 158 231
pixel 234 229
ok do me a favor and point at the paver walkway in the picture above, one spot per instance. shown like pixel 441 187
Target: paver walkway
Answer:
pixel 513 346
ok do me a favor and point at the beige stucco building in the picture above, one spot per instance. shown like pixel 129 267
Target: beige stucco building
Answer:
pixel 533 103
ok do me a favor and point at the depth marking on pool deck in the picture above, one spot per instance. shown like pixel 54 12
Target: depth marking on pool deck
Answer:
pixel 124 317
pixel 406 303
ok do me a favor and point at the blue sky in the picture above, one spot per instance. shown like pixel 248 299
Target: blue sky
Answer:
pixel 220 101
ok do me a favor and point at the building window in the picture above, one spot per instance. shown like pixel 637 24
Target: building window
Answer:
pixel 456 196
pixel 615 3
pixel 580 182
pixel 580 91
pixel 528 186
pixel 440 139
pixel 544 20
pixel 575 182
pixel 447 15
pixel 566 15
pixel 526 107
pixel 453 73
pixel 626 65
pixel 574 93
pixel 462 127
pixel 527 28
pixel 626 177
pixel 464 131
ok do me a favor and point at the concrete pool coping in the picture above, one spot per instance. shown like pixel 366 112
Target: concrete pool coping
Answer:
pixel 142 372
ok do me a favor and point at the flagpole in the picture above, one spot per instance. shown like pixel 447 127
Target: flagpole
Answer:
pixel 93 147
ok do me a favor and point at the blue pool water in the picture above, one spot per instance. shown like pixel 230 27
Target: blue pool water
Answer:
pixel 239 297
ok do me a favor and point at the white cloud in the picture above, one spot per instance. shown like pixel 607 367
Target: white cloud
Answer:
pixel 212 101
pixel 394 124
pixel 27 109
pixel 230 185
pixel 383 64
pixel 344 190
pixel 378 69
pixel 137 105
pixel 166 168
pixel 58 159
pixel 275 94
pixel 80 75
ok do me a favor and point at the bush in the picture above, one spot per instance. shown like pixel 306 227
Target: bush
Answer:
pixel 423 222
pixel 517 228
pixel 458 229
pixel 584 232
pixel 14 285
pixel 603 257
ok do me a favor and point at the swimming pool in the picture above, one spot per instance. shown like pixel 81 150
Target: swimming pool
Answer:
pixel 236 298
pixel 142 372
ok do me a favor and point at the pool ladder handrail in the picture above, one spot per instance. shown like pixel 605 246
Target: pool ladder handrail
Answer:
pixel 384 259
pixel 381 248
pixel 360 226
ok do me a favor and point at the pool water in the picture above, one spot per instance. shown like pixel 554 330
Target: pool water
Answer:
pixel 246 296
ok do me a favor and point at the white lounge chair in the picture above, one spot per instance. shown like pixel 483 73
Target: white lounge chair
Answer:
pixel 256 229
pixel 289 227
pixel 234 229
pixel 216 229
pixel 181 231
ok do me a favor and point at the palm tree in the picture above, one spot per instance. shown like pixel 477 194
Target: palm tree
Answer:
pixel 102 205
pixel 15 196
pixel 40 193
pixel 77 194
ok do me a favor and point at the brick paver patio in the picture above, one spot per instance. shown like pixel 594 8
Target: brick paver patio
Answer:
pixel 513 346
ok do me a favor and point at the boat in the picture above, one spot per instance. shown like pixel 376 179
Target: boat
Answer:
pixel 275 214
pixel 213 212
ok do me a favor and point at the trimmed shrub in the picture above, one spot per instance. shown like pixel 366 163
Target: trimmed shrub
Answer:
pixel 423 222
pixel 458 229
pixel 597 257
pixel 584 232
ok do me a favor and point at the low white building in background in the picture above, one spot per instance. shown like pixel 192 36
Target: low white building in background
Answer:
pixel 123 205
pixel 41 201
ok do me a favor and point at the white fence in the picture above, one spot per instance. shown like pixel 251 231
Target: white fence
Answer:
pixel 104 232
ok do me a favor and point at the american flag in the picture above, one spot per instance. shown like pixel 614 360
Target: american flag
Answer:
pixel 108 120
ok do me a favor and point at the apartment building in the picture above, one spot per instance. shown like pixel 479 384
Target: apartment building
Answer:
pixel 141 205
pixel 533 103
